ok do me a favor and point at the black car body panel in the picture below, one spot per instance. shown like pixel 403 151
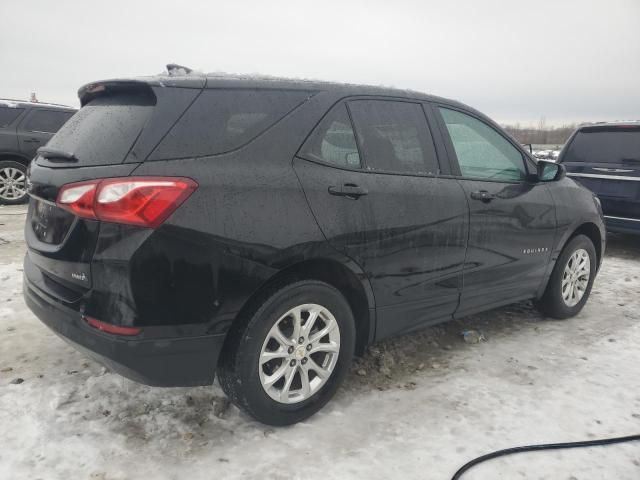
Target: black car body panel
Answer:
pixel 605 158
pixel 406 249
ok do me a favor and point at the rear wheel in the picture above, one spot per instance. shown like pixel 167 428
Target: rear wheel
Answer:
pixel 13 182
pixel 288 361
pixel 571 280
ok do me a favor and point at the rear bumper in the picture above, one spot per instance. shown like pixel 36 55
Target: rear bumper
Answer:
pixel 622 225
pixel 167 362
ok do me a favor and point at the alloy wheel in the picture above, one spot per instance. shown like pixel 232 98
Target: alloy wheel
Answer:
pixel 13 184
pixel 575 277
pixel 299 353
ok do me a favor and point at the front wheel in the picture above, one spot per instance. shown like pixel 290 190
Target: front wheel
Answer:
pixel 292 355
pixel 571 280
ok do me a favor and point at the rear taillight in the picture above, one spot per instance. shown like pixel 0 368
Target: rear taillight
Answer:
pixel 143 201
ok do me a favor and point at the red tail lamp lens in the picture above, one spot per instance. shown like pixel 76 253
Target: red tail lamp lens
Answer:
pixel 143 201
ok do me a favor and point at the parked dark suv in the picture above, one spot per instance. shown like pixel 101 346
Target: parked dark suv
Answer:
pixel 605 158
pixel 269 229
pixel 24 126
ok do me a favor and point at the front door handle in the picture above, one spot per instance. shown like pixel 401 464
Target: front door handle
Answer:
pixel 483 196
pixel 31 140
pixel 350 190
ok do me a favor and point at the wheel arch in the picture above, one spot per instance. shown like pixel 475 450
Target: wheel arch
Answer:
pixel 587 228
pixel 4 156
pixel 592 232
pixel 352 284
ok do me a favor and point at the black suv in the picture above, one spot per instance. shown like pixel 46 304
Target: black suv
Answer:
pixel 266 230
pixel 605 158
pixel 24 126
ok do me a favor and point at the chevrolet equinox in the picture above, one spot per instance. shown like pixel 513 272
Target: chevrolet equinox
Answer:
pixel 266 230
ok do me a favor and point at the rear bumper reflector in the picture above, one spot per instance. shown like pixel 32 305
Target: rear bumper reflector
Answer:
pixel 113 329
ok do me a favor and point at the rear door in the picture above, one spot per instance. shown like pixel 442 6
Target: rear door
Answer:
pixel 606 160
pixel 384 202
pixel 512 220
pixel 38 126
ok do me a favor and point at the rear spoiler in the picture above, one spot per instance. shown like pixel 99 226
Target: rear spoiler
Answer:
pixel 142 86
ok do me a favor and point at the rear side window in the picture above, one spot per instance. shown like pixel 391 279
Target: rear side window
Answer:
pixel 8 115
pixel 482 152
pixel 103 131
pixel 222 120
pixel 48 121
pixel 333 140
pixel 394 136
pixel 606 145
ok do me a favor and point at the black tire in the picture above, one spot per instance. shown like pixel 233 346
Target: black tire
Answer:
pixel 238 370
pixel 552 303
pixel 11 164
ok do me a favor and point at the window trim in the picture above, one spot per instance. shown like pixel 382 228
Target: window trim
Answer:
pixel 429 131
pixel 455 165
pixel 435 137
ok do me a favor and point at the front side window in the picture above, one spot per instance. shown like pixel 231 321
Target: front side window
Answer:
pixel 48 121
pixel 482 152
pixel 8 115
pixel 394 136
pixel 333 140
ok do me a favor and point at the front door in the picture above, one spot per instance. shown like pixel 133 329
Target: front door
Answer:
pixel 512 219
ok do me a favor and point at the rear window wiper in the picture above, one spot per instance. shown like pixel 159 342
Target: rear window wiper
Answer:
pixel 54 154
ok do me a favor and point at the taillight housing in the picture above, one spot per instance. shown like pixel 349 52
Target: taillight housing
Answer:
pixel 142 201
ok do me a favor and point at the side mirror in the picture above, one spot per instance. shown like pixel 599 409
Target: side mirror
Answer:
pixel 550 171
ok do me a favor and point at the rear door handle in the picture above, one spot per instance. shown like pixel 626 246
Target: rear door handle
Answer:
pixel 483 196
pixel 31 140
pixel 350 190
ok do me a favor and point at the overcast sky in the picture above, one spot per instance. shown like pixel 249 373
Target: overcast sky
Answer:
pixel 565 60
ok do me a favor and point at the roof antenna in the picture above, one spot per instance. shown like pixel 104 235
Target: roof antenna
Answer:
pixel 174 69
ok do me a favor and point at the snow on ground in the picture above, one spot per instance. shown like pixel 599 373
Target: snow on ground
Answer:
pixel 416 407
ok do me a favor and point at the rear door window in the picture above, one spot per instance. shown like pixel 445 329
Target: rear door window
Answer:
pixel 394 136
pixel 8 115
pixel 333 140
pixel 222 120
pixel 482 152
pixel 47 121
pixel 605 145
pixel 103 131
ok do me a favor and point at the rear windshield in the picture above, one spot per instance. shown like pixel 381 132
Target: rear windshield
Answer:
pixel 610 145
pixel 104 130
pixel 222 120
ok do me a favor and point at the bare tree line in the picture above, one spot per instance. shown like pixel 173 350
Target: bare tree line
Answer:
pixel 541 134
